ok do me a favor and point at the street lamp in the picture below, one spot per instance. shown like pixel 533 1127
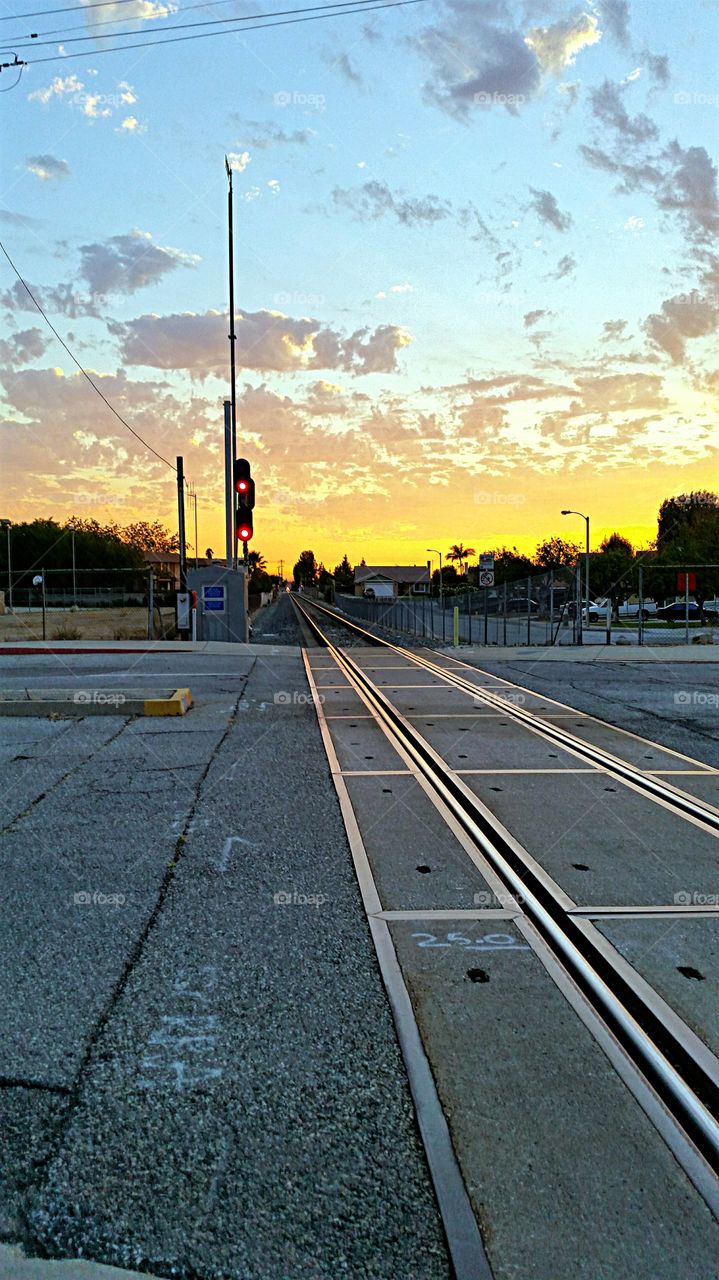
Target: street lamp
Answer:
pixel 7 524
pixel 71 528
pixel 586 556
pixel 438 553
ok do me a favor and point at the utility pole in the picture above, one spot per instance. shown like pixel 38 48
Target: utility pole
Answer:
pixel 233 339
pixel 282 570
pixel 181 520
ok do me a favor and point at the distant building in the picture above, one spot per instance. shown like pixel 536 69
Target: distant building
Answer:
pixel 391 580
pixel 166 568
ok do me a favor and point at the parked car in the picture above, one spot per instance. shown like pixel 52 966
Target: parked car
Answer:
pixel 521 604
pixel 677 611
pixel 629 609
pixel 711 607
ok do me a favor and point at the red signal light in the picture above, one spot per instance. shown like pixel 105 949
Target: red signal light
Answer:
pixel 244 528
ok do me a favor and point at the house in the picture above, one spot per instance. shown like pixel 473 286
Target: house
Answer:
pixel 392 580
pixel 166 569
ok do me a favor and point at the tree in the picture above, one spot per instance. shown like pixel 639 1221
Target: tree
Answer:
pixel 150 537
pixel 256 560
pixel 344 576
pixel 688 534
pixel 47 544
pixel 555 553
pixel 611 569
pixel 305 570
pixel 460 554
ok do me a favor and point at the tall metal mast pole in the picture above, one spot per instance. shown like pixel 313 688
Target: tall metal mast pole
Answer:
pixel 232 337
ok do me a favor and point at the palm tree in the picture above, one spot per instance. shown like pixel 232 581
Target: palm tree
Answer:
pixel 257 561
pixel 460 554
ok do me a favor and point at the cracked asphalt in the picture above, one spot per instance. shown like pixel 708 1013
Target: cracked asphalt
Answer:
pixel 199 1073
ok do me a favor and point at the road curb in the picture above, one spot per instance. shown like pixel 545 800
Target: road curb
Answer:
pixel 15 1265
pixel 97 702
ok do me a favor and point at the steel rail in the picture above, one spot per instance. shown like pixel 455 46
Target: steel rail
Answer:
pixel 662 792
pixel 659 1052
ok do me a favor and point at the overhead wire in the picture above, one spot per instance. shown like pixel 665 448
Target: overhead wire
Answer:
pixel 168 10
pixel 362 6
pixel 83 371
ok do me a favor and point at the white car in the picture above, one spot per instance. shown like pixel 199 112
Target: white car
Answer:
pixel 630 609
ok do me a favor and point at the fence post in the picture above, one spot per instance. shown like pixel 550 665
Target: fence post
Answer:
pixel 578 608
pixel 455 625
pixel 640 635
pixel 529 611
pixel 504 610
pixel 150 606
pixel 551 606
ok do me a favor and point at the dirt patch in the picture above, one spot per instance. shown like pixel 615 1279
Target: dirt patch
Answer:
pixel 85 624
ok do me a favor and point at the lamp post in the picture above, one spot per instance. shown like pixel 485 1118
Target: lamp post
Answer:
pixel 435 552
pixel 71 528
pixel 586 556
pixel 7 525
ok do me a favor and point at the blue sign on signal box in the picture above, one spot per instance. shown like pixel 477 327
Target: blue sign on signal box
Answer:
pixel 213 599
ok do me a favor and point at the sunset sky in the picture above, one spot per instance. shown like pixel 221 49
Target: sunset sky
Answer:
pixel 477 277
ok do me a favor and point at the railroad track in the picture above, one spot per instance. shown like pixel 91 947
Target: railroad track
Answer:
pixel 680 1068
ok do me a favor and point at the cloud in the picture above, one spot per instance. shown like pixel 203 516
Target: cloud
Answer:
pixel 472 58
pixel 343 63
pixel 131 124
pixel 123 264
pixel 266 340
pixel 13 219
pixel 263 134
pixel 533 317
pixel 374 200
pixel 547 210
pixel 22 347
pixel 47 168
pixel 564 267
pixel 557 46
pixel 238 160
pixel 615 16
pixel 613 331
pixel 682 318
pixel 59 87
pixel 609 109
pixel 658 68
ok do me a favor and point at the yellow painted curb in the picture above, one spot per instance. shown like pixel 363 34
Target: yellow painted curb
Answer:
pixel 177 705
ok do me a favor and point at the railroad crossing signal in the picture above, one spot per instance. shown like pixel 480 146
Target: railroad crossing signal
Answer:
pixel 245 490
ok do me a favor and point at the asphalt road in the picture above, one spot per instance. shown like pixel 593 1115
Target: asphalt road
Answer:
pixel 675 704
pixel 199 1073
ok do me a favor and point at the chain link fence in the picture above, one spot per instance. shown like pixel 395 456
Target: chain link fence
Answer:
pixel 551 609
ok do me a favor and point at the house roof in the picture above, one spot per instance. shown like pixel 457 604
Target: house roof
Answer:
pixel 161 557
pixel 392 572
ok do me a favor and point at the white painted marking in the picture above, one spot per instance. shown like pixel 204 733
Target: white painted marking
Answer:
pixel 224 858
pixel 488 942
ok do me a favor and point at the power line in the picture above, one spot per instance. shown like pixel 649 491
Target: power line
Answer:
pixel 184 26
pixel 84 372
pixel 367 7
pixel 113 22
